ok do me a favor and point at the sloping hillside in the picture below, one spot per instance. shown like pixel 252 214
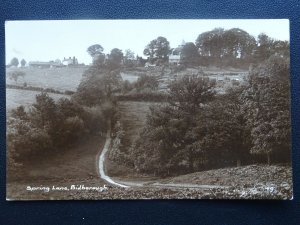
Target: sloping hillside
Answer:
pixel 60 79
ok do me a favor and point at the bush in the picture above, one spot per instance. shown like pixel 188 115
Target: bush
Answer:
pixel 94 120
pixel 146 82
pixel 116 154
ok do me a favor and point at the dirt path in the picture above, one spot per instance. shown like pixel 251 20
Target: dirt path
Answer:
pixel 153 183
pixel 101 162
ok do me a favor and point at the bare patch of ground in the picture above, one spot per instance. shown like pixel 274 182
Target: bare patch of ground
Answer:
pixel 246 175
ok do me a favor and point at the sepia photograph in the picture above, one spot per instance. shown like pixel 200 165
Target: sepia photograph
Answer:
pixel 148 109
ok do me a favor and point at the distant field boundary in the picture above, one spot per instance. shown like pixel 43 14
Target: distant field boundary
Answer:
pixel 143 98
pixel 48 90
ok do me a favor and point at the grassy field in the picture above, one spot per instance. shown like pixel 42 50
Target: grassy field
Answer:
pixel 133 118
pixel 17 97
pixel 60 79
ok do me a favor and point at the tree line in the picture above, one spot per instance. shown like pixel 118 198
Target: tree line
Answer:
pixel 15 62
pixel 219 47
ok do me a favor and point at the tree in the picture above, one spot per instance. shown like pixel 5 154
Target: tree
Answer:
pixel 23 62
pixel 190 53
pixel 101 80
pixel 268 46
pixel 222 120
pixel 44 111
pixel 95 51
pixel 210 43
pixel 159 143
pixel 188 92
pixel 19 113
pixel 98 85
pixel 238 43
pixel 226 47
pixel 129 57
pixel 167 132
pixel 115 58
pixel 158 49
pixel 267 109
pixel 14 62
pixel 281 48
pixel 24 139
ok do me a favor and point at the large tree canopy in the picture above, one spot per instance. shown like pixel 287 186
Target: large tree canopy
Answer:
pixel 210 43
pixel 23 62
pixel 190 91
pixel 158 49
pixel 267 110
pixel 234 43
pixel 95 51
pixel 115 57
pixel 14 62
pixel 190 53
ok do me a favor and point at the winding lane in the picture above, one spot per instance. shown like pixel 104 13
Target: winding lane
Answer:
pixel 126 184
pixel 101 161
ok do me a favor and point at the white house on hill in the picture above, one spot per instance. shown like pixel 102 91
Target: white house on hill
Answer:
pixel 70 61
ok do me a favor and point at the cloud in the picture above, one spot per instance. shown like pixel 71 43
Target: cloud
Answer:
pixel 16 51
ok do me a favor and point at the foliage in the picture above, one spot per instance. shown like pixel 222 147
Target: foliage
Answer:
pixel 116 154
pixel 267 100
pixel 49 127
pixel 129 57
pixel 157 49
pixel 236 48
pixel 145 95
pixel 197 130
pixel 210 43
pixel 190 91
pixel 167 132
pixel 267 47
pixel 190 53
pixel 115 58
pixel 95 51
pixel 146 82
pixel 23 62
pixel 237 43
pixel 14 62
pixel 233 43
pixel 99 85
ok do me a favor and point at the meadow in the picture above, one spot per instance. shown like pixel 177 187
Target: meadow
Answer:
pixel 61 79
pixel 133 118
pixel 17 97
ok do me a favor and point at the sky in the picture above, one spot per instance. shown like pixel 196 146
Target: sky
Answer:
pixel 55 39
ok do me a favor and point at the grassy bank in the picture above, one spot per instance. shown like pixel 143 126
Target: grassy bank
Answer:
pixel 74 166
